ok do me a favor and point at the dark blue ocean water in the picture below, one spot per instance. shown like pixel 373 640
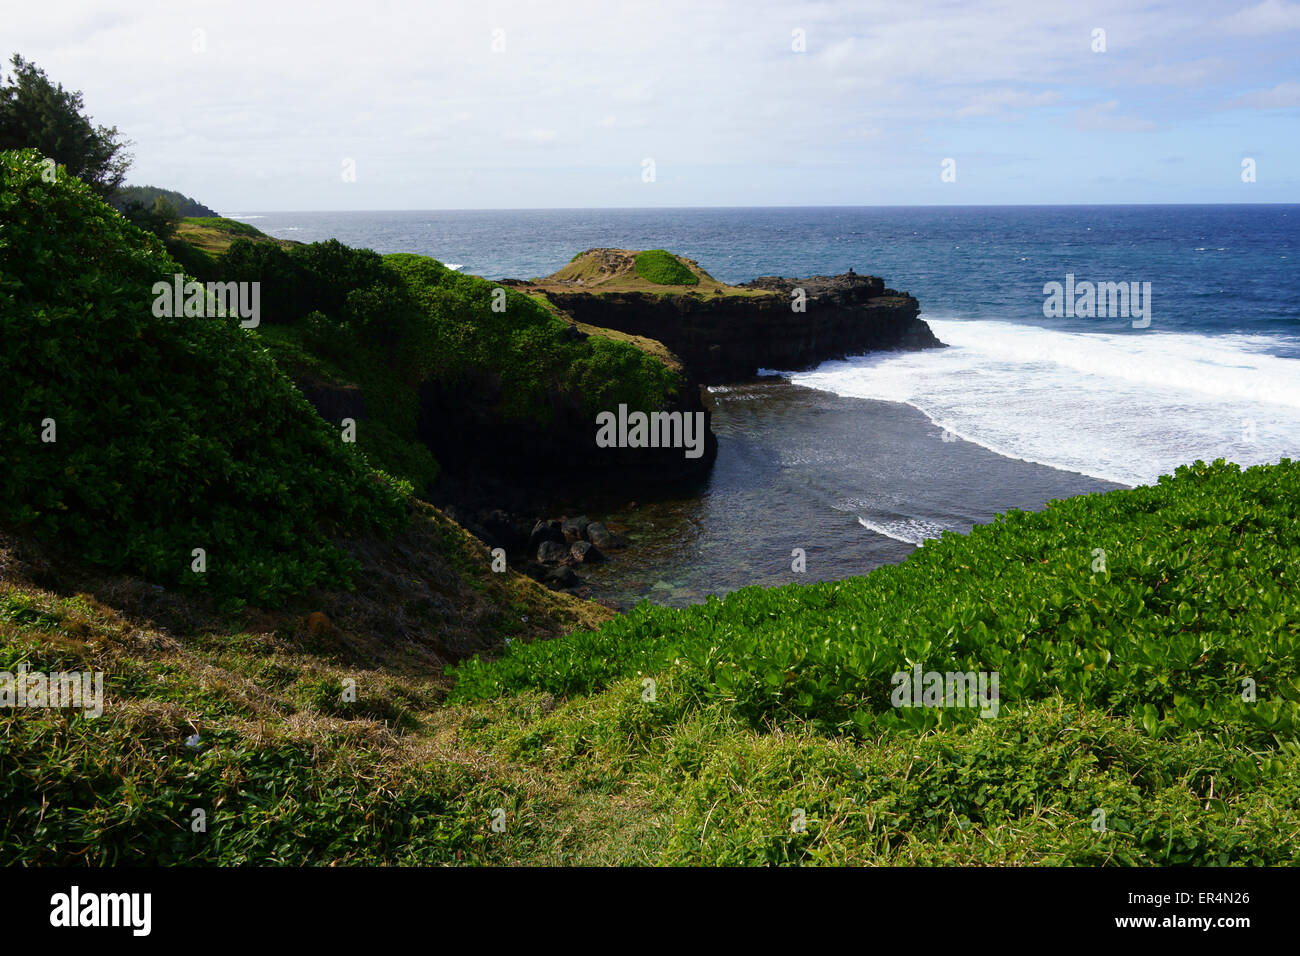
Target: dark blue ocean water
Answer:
pixel 860 460
pixel 1213 268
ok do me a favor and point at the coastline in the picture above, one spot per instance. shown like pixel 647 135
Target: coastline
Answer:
pixel 802 468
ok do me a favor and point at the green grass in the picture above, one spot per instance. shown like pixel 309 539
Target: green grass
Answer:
pixel 123 788
pixel 663 268
pixel 726 770
pixel 174 438
pixel 619 271
pixel 1123 690
pixel 202 239
pixel 1199 593
pixel 222 224
pixel 289 770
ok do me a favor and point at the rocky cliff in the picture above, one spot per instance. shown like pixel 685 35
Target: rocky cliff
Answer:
pixel 464 428
pixel 723 333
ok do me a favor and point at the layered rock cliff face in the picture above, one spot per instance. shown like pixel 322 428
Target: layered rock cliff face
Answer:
pixel 464 428
pixel 499 473
pixel 723 336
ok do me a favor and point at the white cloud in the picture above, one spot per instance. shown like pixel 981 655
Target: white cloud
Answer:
pixel 534 137
pixel 584 89
pixel 1271 16
pixel 1193 73
pixel 995 102
pixel 1106 117
pixel 1282 96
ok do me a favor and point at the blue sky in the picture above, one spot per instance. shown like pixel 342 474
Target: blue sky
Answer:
pixel 492 104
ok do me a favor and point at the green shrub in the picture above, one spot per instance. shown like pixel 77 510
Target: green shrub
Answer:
pixel 1023 789
pixel 456 334
pixel 172 433
pixel 390 325
pixel 160 218
pixel 394 322
pixel 1199 600
pixel 194 260
pixel 663 268
pixel 321 801
pixel 268 264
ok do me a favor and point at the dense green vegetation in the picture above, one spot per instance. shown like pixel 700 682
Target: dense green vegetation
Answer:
pixel 147 196
pixel 1147 641
pixel 1159 684
pixel 200 242
pixel 285 768
pixel 1200 591
pixel 584 761
pixel 160 217
pixel 663 268
pixel 338 315
pixel 153 437
pixel 526 345
pixel 137 439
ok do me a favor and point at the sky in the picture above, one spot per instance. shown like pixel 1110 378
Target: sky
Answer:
pixel 323 105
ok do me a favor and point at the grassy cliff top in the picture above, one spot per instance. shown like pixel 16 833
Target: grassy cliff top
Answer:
pixel 214 234
pixel 630 270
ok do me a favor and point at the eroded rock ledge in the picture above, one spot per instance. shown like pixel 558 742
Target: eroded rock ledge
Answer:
pixel 725 333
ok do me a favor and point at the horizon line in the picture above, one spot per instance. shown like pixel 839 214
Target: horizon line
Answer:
pixel 1079 205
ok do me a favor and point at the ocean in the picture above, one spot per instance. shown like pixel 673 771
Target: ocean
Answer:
pixel 859 461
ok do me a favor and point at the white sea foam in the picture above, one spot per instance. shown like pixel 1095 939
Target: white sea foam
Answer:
pixel 907 530
pixel 1123 406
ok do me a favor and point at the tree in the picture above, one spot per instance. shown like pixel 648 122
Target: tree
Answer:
pixel 161 218
pixel 37 113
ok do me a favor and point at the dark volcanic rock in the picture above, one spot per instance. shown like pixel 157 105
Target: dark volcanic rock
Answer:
pixel 602 537
pixel 465 429
pixel 586 552
pixel 528 464
pixel 726 337
pixel 575 529
pixel 545 531
pixel 549 551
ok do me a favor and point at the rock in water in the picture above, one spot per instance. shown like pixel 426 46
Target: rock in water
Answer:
pixel 545 531
pixel 550 551
pixel 603 538
pixel 575 529
pixel 586 552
